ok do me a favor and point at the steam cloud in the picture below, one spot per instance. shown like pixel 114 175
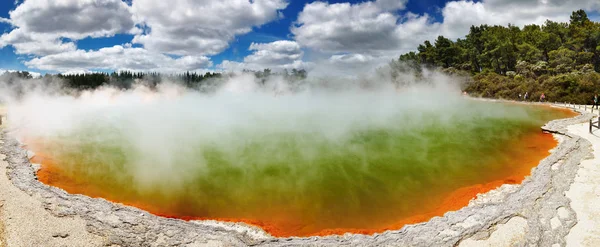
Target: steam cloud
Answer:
pixel 268 138
pixel 161 123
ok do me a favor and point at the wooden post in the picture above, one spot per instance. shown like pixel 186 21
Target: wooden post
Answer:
pixel 590 126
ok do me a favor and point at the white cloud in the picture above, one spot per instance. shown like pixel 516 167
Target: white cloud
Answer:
pixel 351 59
pixel 275 53
pixel 33 74
pixel 353 64
pixel 74 19
pixel 40 24
pixel 391 5
pixel 188 27
pixel 77 72
pixel 375 28
pixel 278 55
pixel 118 58
pixel 460 15
pixel 37 44
pixel 359 37
pixel 340 37
pixel 345 27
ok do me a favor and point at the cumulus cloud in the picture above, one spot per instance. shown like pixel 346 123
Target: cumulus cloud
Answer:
pixel 363 35
pixel 339 37
pixel 187 27
pixel 118 58
pixel 344 27
pixel 278 55
pixel 358 38
pixel 36 44
pixel 351 59
pixel 40 24
pixel 350 65
pixel 74 19
pixel 33 74
pixel 354 39
pixel 375 28
pixel 278 52
pixel 460 15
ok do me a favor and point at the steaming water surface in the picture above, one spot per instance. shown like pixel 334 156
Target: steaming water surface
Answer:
pixel 296 164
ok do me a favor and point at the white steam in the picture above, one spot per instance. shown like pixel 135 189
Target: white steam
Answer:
pixel 160 125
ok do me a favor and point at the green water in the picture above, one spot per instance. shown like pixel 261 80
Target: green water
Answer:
pixel 301 174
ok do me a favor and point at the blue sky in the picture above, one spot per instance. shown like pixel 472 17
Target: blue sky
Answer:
pixel 145 35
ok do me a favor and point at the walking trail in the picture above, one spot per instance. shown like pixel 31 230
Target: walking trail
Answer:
pixel 585 190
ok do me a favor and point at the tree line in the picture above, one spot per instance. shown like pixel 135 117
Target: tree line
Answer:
pixel 561 60
pixel 126 79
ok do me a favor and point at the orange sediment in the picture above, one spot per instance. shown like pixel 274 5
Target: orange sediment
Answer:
pixel 539 145
pixel 531 149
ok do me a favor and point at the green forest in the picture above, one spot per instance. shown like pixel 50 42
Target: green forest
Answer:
pixel 561 60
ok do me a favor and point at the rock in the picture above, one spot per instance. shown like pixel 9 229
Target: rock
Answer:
pixel 555 223
pixel 60 234
pixel 563 213
pixel 481 235
pixel 36 167
pixel 30 154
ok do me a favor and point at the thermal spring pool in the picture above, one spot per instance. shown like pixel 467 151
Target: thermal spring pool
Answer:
pixel 293 165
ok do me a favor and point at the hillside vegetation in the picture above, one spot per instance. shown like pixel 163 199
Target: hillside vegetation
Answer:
pixel 561 60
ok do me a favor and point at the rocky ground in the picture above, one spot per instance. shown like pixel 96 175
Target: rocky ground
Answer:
pixel 537 212
pixel 25 221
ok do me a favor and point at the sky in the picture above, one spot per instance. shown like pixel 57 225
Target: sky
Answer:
pixel 325 37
